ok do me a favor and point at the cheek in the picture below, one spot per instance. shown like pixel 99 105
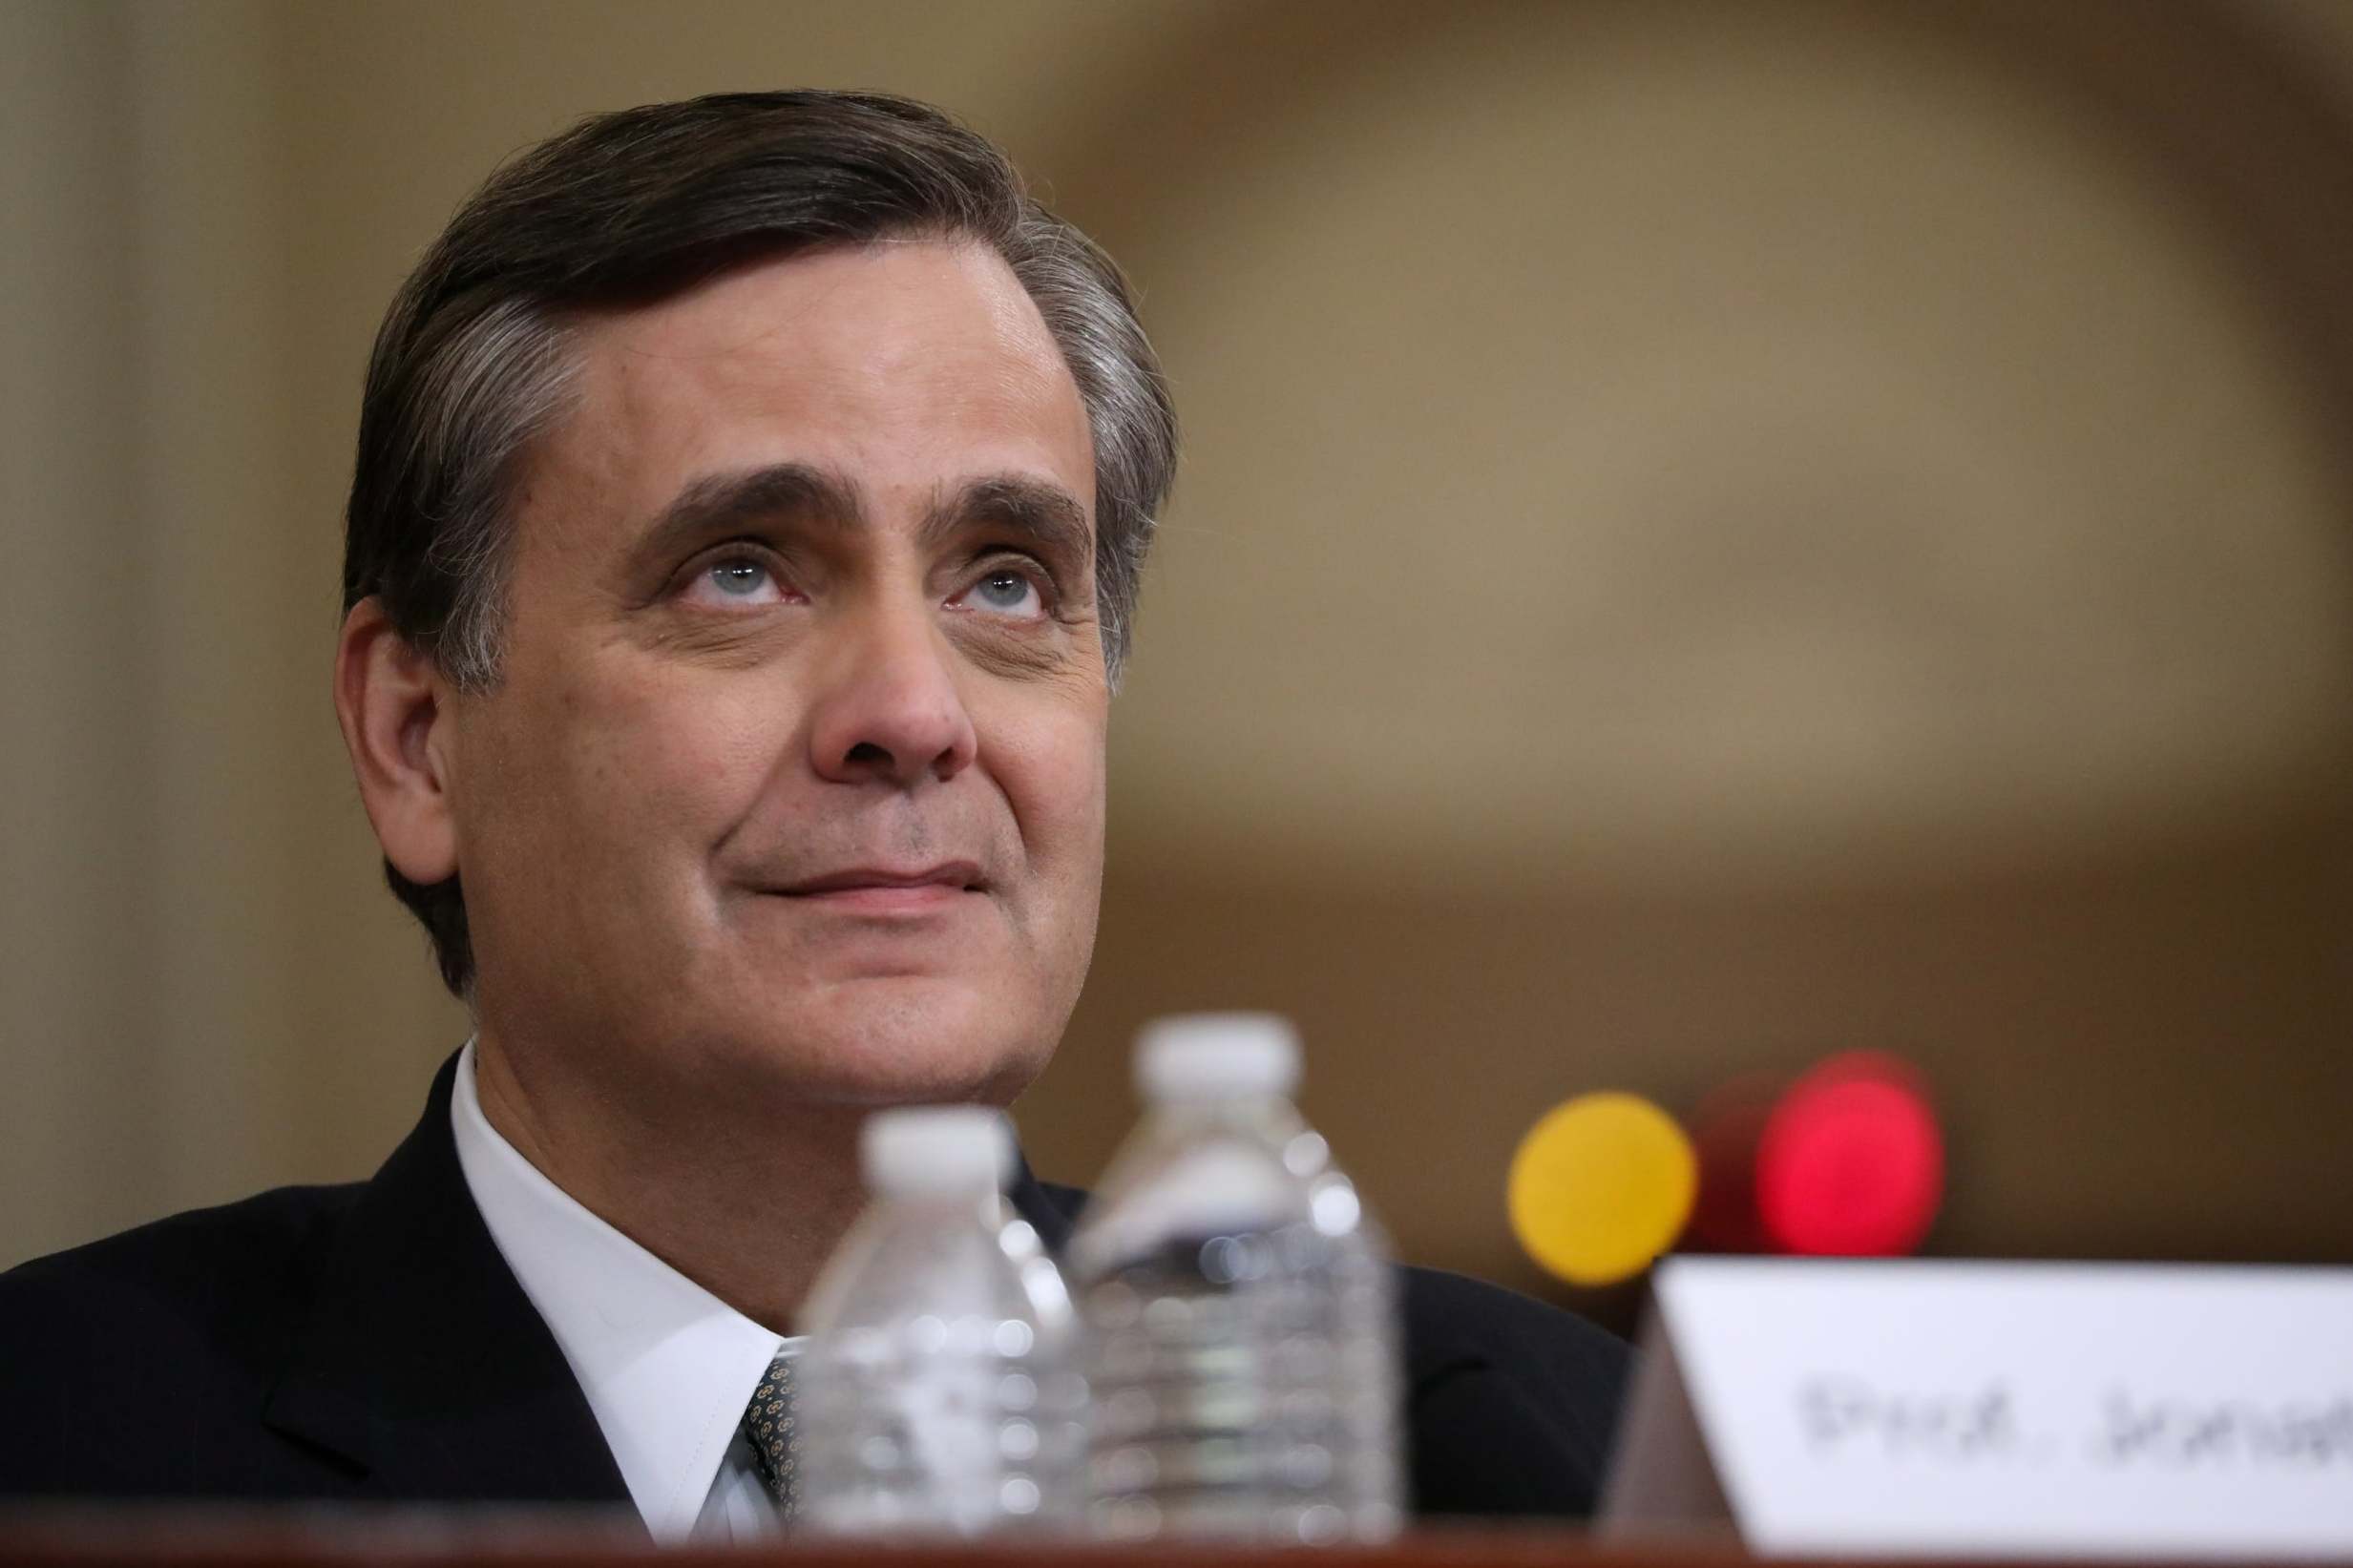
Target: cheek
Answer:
pixel 1051 766
pixel 636 775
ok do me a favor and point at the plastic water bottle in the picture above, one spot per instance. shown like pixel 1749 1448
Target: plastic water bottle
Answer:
pixel 939 1393
pixel 1239 1306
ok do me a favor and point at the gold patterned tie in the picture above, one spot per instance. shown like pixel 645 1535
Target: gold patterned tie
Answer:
pixel 775 1441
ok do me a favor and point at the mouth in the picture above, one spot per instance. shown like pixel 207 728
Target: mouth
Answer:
pixel 881 889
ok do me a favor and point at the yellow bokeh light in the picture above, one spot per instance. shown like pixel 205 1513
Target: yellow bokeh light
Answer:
pixel 1601 1187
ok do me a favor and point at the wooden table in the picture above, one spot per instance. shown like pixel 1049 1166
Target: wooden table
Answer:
pixel 240 1537
pixel 328 1537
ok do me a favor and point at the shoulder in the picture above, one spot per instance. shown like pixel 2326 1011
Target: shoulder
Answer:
pixel 1511 1403
pixel 175 1265
pixel 1453 1321
pixel 181 1314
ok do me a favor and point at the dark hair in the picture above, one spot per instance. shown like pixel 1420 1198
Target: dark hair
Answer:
pixel 472 362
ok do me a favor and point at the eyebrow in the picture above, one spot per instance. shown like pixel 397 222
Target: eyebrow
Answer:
pixel 1049 515
pixel 720 503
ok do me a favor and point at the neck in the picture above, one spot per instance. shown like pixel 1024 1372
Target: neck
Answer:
pixel 748 1206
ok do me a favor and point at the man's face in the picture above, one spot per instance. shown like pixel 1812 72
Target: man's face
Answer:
pixel 793 781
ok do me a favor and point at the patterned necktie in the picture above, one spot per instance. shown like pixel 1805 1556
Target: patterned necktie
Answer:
pixel 775 1444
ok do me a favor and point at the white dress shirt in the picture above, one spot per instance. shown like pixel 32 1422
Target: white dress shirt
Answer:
pixel 668 1366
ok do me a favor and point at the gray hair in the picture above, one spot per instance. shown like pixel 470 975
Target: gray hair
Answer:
pixel 474 362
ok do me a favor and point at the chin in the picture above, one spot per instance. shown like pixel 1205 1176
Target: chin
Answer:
pixel 905 1041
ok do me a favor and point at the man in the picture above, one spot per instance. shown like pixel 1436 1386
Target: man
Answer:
pixel 745 536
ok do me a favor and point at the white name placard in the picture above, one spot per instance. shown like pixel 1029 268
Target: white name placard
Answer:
pixel 1903 1408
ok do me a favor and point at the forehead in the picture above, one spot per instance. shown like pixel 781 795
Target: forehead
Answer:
pixel 907 364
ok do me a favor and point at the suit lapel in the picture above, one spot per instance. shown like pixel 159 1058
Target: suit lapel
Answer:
pixel 425 1367
pixel 425 1371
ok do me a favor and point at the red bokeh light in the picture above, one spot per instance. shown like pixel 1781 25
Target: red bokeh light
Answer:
pixel 1850 1162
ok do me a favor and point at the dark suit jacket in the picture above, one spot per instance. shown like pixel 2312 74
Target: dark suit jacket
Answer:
pixel 367 1342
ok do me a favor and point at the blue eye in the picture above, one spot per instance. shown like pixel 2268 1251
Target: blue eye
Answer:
pixel 739 579
pixel 1006 591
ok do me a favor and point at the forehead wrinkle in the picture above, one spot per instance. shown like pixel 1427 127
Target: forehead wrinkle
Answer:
pixel 1005 345
pixel 661 362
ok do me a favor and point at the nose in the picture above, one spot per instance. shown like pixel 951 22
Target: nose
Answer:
pixel 891 710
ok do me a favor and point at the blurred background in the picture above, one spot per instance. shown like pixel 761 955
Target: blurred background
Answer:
pixel 1711 534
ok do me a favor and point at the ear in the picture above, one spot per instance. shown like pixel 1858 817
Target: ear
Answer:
pixel 392 702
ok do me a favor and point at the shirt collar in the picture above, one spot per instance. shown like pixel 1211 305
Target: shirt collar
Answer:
pixel 668 1366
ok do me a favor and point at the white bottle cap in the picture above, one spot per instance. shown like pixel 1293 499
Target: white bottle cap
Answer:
pixel 1217 1056
pixel 936 1151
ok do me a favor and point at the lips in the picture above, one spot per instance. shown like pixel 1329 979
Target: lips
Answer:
pixel 954 876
